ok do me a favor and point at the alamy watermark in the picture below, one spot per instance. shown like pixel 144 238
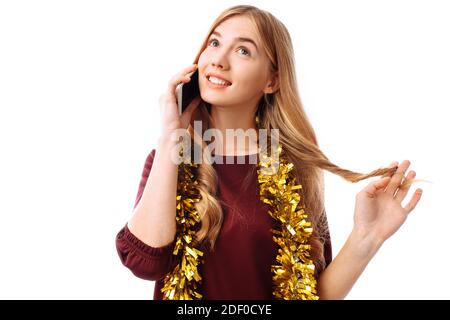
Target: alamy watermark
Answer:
pixel 267 154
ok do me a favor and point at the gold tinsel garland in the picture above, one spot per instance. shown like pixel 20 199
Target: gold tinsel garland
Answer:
pixel 293 278
pixel 182 282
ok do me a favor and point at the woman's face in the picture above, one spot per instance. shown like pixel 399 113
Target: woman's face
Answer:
pixel 240 62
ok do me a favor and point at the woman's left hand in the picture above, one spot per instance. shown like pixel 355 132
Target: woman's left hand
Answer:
pixel 378 207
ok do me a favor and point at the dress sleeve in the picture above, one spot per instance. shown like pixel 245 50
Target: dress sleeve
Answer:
pixel 144 261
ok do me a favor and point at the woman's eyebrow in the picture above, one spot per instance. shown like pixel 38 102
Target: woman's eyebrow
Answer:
pixel 241 39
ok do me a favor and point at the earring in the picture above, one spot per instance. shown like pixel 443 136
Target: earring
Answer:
pixel 257 120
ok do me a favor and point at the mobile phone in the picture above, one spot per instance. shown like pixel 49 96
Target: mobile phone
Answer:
pixel 186 92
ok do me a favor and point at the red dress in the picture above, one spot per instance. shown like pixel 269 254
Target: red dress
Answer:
pixel 239 267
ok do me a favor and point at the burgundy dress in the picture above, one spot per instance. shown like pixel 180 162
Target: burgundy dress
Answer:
pixel 239 267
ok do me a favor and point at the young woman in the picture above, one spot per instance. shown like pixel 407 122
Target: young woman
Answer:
pixel 226 230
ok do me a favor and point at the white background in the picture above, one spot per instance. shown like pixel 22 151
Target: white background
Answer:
pixel 79 89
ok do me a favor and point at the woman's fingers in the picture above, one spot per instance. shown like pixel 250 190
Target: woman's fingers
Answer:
pixel 393 164
pixel 414 200
pixel 371 189
pixel 397 178
pixel 403 191
pixel 181 77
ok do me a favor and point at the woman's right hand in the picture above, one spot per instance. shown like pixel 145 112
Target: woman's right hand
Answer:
pixel 170 118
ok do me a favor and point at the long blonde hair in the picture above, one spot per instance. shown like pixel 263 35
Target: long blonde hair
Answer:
pixel 282 110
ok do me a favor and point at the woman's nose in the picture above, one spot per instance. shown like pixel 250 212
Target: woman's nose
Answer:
pixel 219 60
pixel 217 65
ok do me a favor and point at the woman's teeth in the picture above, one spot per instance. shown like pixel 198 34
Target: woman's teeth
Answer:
pixel 218 81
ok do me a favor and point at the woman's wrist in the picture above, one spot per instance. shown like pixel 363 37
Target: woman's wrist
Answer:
pixel 169 138
pixel 365 242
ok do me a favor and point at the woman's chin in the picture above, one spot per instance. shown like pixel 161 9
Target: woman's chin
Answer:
pixel 213 100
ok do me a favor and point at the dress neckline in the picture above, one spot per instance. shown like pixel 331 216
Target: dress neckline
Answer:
pixel 244 159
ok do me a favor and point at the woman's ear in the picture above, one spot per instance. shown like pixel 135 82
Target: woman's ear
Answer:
pixel 273 85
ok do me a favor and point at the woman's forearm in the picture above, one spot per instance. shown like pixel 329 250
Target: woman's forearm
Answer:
pixel 153 221
pixel 336 281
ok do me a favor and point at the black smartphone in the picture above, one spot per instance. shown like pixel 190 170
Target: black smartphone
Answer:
pixel 186 92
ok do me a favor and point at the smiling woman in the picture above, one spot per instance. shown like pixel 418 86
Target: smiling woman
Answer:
pixel 233 231
pixel 231 61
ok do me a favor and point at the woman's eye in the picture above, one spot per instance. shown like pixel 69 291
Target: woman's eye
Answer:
pixel 245 50
pixel 211 41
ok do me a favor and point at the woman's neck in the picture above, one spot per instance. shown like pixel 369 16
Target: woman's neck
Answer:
pixel 238 130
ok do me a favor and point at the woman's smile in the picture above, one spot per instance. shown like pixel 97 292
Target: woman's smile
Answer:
pixel 216 83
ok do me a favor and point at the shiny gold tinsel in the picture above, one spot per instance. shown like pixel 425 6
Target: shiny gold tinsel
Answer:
pixel 182 282
pixel 293 278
